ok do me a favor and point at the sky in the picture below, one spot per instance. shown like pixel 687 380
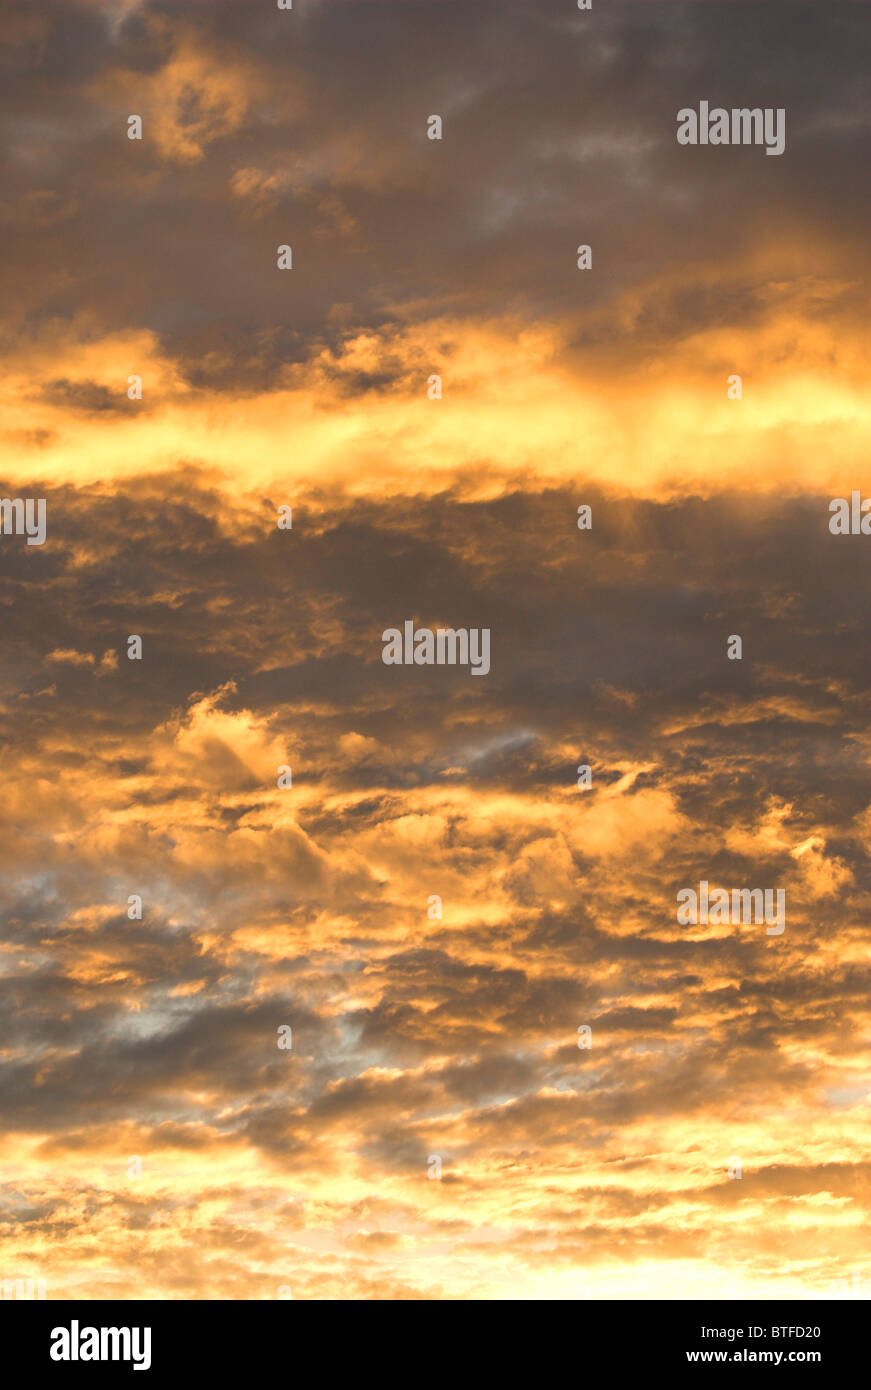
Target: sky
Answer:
pixel 435 1130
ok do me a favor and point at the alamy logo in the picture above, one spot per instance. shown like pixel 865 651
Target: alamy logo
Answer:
pixel 445 647
pixel 745 906
pixel 851 518
pixel 743 125
pixel 102 1344
pixel 855 1287
pixel 17 518
pixel 22 1288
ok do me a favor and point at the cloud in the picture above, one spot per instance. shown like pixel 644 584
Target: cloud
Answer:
pixel 565 1169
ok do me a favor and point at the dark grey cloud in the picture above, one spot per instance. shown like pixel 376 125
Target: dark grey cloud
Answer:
pixel 559 129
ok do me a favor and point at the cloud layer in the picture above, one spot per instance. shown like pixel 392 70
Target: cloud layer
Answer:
pixel 565 1171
